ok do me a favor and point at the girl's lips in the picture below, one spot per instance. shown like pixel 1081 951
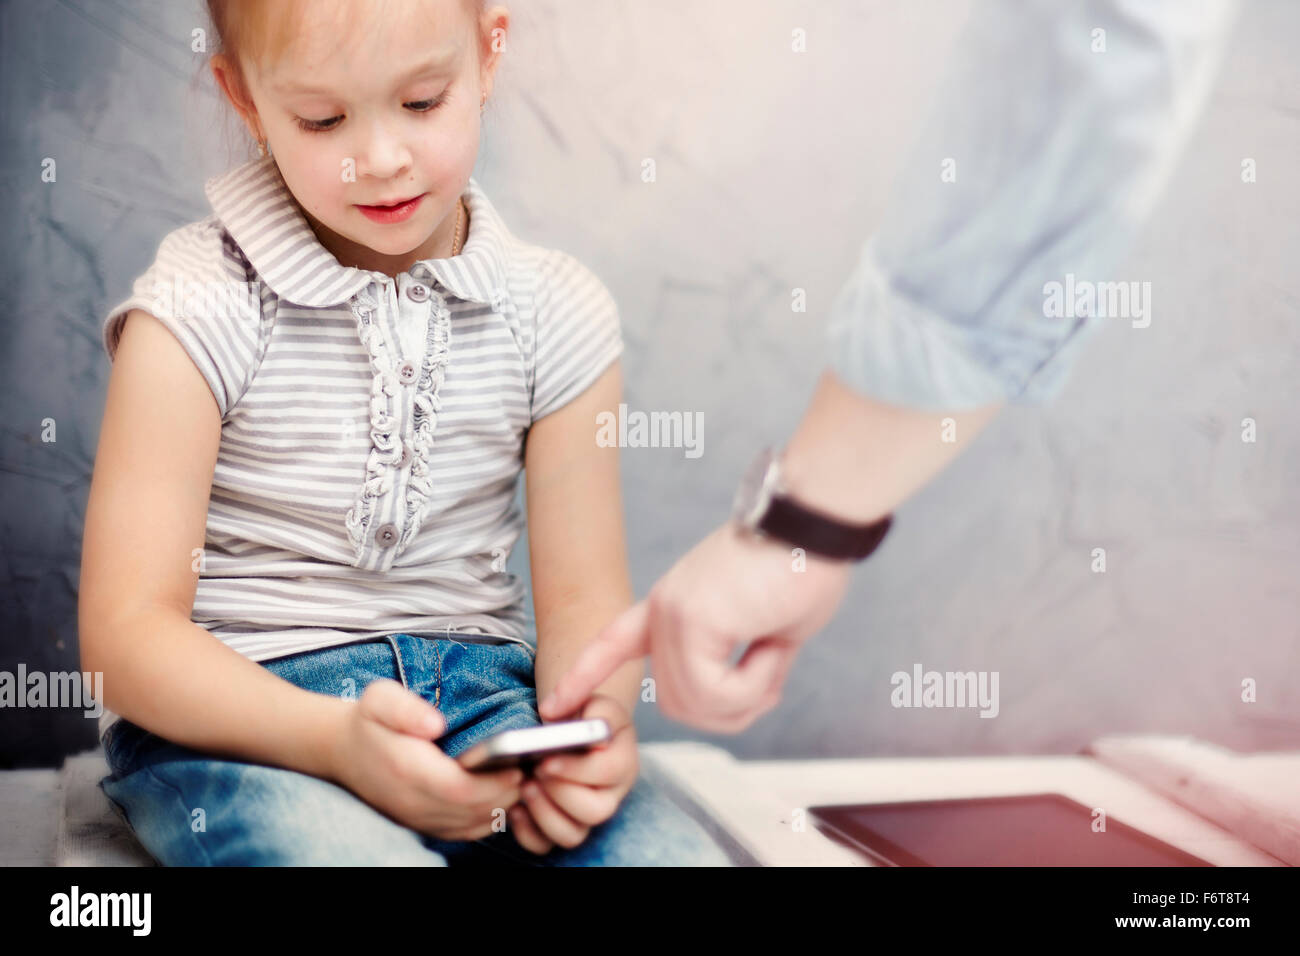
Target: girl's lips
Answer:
pixel 389 214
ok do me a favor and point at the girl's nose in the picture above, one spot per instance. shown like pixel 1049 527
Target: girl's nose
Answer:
pixel 384 155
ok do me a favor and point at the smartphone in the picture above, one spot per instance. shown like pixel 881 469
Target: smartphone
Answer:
pixel 1036 829
pixel 527 747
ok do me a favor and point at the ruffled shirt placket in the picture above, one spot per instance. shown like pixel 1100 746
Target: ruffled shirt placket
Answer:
pixel 389 506
pixel 426 404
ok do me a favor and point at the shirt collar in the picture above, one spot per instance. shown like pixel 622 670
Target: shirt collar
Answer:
pixel 258 210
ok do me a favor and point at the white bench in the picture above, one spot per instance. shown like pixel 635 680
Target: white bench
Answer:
pixel 754 809
pixel 60 817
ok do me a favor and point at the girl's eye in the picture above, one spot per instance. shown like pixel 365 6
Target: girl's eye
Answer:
pixel 424 106
pixel 318 126
pixel 322 126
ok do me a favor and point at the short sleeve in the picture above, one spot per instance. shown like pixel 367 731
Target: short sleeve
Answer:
pixel 199 288
pixel 577 335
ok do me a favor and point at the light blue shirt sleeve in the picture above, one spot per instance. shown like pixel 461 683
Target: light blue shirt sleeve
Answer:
pixel 1048 144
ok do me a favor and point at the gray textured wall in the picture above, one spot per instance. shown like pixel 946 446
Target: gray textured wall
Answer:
pixel 772 168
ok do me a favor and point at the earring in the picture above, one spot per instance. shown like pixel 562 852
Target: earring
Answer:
pixel 482 104
pixel 261 147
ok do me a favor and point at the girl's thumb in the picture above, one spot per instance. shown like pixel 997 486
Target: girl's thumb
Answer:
pixel 402 710
pixel 432 723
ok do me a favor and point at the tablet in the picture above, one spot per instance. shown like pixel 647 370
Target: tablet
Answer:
pixel 1039 829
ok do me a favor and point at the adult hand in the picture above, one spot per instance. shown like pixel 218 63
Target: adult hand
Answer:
pixel 731 589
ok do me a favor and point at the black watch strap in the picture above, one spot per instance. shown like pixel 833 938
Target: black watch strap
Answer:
pixel 821 534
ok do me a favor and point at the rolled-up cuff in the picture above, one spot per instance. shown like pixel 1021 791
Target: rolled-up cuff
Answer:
pixel 888 347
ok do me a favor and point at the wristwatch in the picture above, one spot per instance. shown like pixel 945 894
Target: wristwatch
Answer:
pixel 763 506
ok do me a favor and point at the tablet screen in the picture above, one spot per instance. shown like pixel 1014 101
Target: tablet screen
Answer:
pixel 1041 829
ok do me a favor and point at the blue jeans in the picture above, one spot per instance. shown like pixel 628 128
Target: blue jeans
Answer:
pixel 256 815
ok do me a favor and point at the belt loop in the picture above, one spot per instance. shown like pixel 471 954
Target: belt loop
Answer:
pixel 397 656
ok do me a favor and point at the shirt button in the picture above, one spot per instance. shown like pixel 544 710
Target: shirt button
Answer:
pixel 417 292
pixel 386 536
pixel 406 372
pixel 406 455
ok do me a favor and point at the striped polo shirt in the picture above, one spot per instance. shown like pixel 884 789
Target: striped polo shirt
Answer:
pixel 372 427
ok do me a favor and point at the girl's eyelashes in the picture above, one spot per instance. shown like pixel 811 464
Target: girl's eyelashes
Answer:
pixel 317 126
pixel 325 125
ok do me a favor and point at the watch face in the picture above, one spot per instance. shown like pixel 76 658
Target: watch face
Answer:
pixel 753 495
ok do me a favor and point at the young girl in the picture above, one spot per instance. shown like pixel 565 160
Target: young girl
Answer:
pixel 322 394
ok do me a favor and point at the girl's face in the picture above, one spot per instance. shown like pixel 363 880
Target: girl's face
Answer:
pixel 384 111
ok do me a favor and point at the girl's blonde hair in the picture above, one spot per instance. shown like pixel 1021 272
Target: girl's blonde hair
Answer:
pixel 259 31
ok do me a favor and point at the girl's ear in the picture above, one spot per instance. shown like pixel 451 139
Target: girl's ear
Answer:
pixel 230 84
pixel 494 26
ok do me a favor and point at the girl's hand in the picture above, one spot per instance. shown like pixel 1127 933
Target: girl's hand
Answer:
pixel 385 754
pixel 571 793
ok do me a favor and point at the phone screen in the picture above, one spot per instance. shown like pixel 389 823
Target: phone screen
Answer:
pixel 1041 829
